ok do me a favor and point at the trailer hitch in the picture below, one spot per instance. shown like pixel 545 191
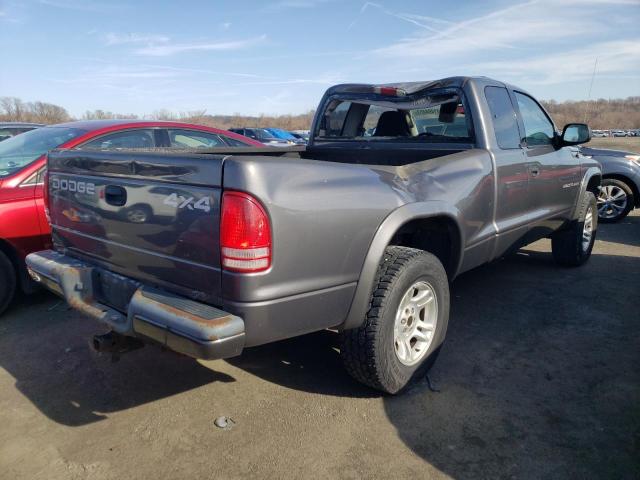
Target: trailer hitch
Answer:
pixel 115 344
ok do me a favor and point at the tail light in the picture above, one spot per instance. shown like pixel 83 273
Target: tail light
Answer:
pixel 390 91
pixel 245 235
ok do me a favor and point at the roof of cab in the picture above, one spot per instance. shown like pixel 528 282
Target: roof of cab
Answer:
pixel 412 87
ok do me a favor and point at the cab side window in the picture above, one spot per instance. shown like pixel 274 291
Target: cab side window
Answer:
pixel 539 130
pixel 140 138
pixel 503 116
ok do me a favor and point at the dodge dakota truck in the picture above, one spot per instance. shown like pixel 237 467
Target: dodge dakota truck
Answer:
pixel 401 188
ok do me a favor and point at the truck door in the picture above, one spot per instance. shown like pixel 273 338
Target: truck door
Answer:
pixel 554 174
pixel 512 176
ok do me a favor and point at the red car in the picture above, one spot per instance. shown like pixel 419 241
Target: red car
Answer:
pixel 23 223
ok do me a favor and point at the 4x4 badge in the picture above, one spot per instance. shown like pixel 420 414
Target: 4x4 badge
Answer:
pixel 178 201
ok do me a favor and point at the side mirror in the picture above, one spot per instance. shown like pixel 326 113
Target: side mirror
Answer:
pixel 575 134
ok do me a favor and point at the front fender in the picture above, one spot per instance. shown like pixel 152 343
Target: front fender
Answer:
pixel 387 229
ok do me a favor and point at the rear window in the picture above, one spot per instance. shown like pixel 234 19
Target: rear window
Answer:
pixel 136 138
pixel 236 143
pixel 429 117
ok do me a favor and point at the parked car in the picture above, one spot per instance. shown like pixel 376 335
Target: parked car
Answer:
pixel 23 224
pixel 10 129
pixel 287 136
pixel 262 135
pixel 302 134
pixel 361 234
pixel 620 191
pixel 599 133
pixel 619 133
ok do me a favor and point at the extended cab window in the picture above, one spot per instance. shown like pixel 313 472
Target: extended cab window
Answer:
pixel 538 128
pixel 139 138
pixel 335 118
pixel 179 138
pixel 503 116
pixel 429 117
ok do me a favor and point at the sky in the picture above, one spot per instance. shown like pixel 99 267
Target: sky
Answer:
pixel 252 57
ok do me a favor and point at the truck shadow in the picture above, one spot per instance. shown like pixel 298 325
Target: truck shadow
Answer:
pixel 538 378
pixel 310 363
pixel 69 382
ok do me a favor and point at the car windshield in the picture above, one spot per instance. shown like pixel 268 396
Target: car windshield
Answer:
pixel 19 151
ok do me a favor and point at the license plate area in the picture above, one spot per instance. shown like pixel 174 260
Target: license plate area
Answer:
pixel 112 289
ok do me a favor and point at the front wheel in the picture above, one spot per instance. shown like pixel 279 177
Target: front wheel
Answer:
pixel 572 246
pixel 405 326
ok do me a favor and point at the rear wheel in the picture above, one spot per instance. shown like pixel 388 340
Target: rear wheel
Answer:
pixel 572 246
pixel 615 200
pixel 405 326
pixel 7 282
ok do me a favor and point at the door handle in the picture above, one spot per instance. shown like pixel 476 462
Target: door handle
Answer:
pixel 115 195
pixel 534 170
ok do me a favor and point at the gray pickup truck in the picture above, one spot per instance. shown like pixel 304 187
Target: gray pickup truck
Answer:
pixel 401 188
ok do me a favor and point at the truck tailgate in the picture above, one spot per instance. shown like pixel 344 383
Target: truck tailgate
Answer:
pixel 150 217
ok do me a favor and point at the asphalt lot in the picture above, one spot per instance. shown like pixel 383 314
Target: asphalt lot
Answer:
pixel 539 378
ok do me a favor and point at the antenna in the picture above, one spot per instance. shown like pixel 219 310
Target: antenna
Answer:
pixel 593 76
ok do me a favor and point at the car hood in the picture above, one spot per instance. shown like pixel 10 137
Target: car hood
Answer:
pixel 603 152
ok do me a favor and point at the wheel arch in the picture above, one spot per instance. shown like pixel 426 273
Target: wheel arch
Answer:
pixel 590 183
pixel 404 227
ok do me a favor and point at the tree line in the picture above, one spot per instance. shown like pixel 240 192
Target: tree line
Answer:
pixel 14 109
pixel 599 114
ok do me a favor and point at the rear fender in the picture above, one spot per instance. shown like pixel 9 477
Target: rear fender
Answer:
pixel 391 224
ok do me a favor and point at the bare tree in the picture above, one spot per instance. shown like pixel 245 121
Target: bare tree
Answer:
pixel 102 115
pixel 15 110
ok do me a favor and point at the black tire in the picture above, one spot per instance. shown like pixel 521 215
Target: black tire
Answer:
pixel 567 245
pixel 369 352
pixel 8 282
pixel 608 213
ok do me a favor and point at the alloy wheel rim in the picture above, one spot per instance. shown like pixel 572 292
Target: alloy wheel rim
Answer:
pixel 415 323
pixel 612 201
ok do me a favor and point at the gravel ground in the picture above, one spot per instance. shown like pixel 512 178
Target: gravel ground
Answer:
pixel 539 378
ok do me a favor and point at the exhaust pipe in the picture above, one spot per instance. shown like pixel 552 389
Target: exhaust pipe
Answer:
pixel 115 344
